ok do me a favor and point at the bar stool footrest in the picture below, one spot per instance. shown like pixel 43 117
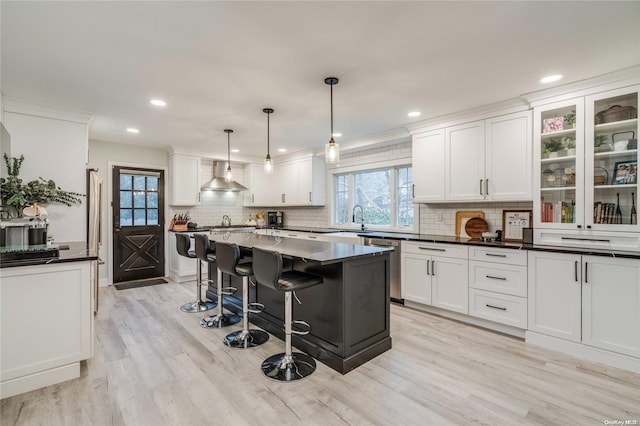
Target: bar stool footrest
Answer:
pixel 229 291
pixel 255 308
pixel 300 332
pixel 243 340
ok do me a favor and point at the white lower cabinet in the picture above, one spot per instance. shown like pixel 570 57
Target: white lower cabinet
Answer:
pixel 594 300
pixel 182 268
pixel 498 285
pixel 435 274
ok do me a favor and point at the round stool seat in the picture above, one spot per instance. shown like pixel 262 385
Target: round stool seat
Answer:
pixel 183 246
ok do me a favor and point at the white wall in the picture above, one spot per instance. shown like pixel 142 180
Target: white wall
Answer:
pixel 54 144
pixel 100 155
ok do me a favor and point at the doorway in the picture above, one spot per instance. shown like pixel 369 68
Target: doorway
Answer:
pixel 138 224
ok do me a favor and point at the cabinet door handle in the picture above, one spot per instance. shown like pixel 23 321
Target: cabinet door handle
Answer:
pixel 428 273
pixel 432 249
pixel 310 196
pixel 283 198
pixel 433 268
pixel 496 278
pixel 575 270
pixel 586 272
pixel 495 255
pixel 481 186
pixel 486 187
pixel 496 307
pixel 413 191
pixel 253 198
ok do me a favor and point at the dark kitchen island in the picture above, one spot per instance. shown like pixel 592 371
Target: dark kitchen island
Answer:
pixel 348 313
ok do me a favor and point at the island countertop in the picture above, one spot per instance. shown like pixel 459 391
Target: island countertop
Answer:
pixel 322 252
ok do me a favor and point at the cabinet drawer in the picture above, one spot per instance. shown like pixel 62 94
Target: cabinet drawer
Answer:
pixel 459 251
pixel 489 254
pixel 502 308
pixel 507 279
pixel 588 239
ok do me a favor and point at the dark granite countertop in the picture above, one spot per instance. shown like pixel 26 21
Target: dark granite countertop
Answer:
pixel 75 251
pixel 316 251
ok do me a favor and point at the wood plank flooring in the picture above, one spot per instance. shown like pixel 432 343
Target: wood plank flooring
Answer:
pixel 154 365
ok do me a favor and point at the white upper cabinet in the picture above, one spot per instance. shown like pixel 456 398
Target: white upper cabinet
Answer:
pixel 299 182
pixel 184 189
pixel 464 162
pixel 585 172
pixel 428 166
pixel 508 157
pixel 485 160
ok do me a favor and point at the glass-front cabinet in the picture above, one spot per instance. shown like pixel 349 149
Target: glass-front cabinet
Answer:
pixel 586 149
pixel 559 175
pixel 611 159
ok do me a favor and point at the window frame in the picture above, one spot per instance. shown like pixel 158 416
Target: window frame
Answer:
pixel 350 171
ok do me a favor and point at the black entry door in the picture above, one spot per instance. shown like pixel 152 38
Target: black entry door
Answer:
pixel 138 218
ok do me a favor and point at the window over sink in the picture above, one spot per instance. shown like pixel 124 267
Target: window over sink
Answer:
pixel 384 194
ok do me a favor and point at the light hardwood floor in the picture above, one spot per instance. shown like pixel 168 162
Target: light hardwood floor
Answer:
pixel 154 365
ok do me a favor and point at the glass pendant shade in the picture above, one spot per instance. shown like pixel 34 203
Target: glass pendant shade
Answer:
pixel 332 152
pixel 268 163
pixel 331 149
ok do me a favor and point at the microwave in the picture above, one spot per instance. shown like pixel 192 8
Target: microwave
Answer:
pixel 275 219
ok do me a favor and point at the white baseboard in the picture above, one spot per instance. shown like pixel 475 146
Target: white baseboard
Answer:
pixel 579 350
pixel 39 380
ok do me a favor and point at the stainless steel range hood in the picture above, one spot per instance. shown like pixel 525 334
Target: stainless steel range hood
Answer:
pixel 219 183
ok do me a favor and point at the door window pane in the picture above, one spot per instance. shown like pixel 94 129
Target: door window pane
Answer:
pixel 126 217
pixel 125 199
pixel 152 200
pixel 138 199
pixel 152 216
pixel 125 182
pixel 152 183
pixel 139 217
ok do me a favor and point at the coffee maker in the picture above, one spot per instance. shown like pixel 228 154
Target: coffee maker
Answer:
pixel 275 219
pixel 23 232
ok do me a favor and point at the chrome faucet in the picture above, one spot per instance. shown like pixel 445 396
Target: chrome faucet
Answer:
pixel 226 220
pixel 353 219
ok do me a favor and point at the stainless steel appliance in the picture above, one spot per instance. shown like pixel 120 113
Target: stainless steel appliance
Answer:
pixel 23 232
pixel 275 219
pixel 394 265
pixel 94 225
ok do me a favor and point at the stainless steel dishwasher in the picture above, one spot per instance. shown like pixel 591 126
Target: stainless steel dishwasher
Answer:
pixel 394 264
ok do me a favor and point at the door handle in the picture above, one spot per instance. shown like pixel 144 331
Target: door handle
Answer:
pixel 428 273
pixel 481 186
pixel 486 187
pixel 433 268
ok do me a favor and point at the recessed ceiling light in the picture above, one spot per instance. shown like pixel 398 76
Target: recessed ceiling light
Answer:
pixel 551 78
pixel 282 150
pixel 235 150
pixel 414 114
pixel 336 135
pixel 132 130
pixel 158 102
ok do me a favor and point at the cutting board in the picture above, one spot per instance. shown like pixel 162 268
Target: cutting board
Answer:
pixel 461 220
pixel 475 227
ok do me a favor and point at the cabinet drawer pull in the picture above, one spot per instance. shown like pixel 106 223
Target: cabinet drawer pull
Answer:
pixel 292 235
pixel 495 255
pixel 496 278
pixel 586 239
pixel 312 237
pixel 496 307
pixel 433 268
pixel 430 248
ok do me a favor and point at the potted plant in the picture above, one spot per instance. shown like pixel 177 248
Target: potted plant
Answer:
pixel 600 144
pixel 16 195
pixel 552 148
pixel 569 144
pixel 569 120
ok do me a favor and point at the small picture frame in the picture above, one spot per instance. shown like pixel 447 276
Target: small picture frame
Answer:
pixel 513 221
pixel 625 172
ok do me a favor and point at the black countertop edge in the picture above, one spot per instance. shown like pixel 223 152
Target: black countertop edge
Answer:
pixel 77 252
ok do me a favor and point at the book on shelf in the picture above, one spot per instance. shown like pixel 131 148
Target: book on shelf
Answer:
pixel 558 212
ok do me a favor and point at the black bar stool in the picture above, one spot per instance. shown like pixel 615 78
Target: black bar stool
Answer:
pixel 220 319
pixel 228 255
pixel 267 268
pixel 183 245
pixel 205 251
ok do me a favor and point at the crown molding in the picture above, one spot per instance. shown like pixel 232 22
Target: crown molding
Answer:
pixel 24 107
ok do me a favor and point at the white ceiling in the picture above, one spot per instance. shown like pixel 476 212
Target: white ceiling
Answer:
pixel 217 64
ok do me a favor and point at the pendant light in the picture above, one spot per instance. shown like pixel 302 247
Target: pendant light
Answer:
pixel 228 175
pixel 332 149
pixel 268 164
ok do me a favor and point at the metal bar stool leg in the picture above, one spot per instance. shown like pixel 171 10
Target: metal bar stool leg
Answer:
pixel 288 366
pixel 246 338
pixel 220 319
pixel 199 305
